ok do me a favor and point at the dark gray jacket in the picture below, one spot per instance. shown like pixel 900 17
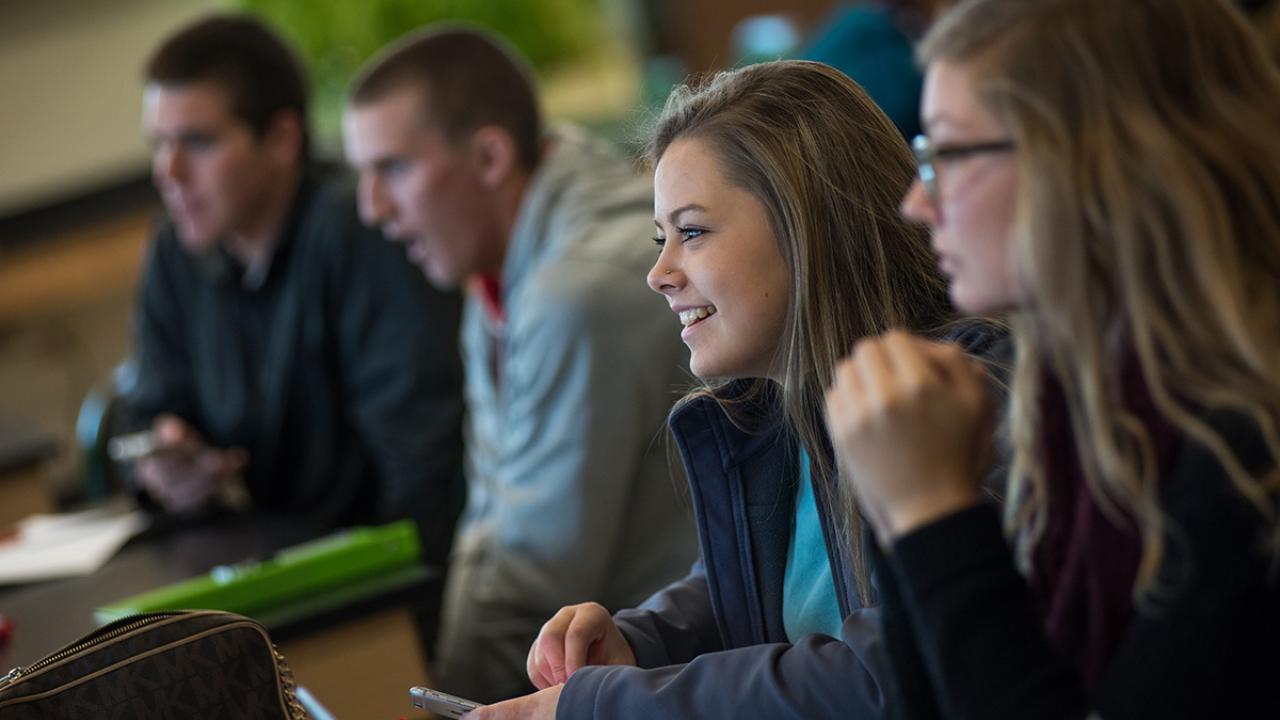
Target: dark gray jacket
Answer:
pixel 337 369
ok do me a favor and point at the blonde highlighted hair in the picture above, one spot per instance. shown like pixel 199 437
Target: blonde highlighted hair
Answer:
pixel 1148 227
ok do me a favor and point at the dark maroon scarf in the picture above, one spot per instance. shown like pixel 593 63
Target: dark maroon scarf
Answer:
pixel 1084 566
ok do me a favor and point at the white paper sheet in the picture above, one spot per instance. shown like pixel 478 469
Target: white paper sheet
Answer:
pixel 54 546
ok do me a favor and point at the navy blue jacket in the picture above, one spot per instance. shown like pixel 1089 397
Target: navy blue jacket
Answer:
pixel 713 644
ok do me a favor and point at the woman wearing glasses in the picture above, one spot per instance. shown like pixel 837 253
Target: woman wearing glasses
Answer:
pixel 779 245
pixel 1108 172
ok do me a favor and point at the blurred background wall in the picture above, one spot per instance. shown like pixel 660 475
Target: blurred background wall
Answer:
pixel 75 200
pixel 69 79
pixel 69 69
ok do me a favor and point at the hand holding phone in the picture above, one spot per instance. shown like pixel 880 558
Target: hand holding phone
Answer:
pixel 183 474
pixel 442 704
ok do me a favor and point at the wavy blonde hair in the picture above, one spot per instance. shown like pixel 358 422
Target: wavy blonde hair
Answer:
pixel 1148 224
pixel 830 169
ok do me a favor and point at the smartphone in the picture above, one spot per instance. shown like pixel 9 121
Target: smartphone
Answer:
pixel 442 704
pixel 136 446
pixel 132 447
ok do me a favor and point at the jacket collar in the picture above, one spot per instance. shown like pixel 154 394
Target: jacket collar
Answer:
pixel 745 420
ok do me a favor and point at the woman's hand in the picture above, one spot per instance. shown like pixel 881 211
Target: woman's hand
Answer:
pixel 912 423
pixel 577 636
pixel 538 706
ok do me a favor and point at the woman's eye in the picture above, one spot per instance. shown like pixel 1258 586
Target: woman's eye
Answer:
pixel 688 234
pixel 659 241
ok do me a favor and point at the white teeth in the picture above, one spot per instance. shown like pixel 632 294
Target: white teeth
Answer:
pixel 689 317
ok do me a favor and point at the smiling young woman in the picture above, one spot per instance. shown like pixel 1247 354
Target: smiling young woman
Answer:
pixel 780 245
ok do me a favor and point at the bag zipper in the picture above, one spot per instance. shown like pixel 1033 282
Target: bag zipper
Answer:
pixel 101 635
pixel 130 623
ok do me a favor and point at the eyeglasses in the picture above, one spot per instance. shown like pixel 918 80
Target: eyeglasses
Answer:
pixel 928 156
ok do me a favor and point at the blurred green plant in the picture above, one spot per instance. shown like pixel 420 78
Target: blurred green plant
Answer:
pixel 336 36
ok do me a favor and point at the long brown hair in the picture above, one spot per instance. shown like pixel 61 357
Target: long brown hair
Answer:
pixel 1149 226
pixel 829 168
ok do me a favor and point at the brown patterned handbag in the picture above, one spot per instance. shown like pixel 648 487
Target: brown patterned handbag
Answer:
pixel 188 664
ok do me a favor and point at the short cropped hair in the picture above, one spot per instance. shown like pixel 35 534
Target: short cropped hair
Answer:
pixel 470 79
pixel 258 70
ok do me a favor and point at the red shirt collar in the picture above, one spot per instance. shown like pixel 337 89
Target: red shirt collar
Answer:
pixel 489 287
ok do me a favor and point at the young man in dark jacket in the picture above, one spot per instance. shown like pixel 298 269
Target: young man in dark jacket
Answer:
pixel 281 348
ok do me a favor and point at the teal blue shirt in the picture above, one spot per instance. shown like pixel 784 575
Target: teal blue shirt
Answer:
pixel 809 603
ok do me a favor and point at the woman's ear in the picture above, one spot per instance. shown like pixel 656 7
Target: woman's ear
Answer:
pixel 494 151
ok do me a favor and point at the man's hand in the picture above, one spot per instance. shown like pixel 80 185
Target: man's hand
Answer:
pixel 184 474
pixel 577 636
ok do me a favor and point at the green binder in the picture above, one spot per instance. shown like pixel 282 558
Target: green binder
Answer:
pixel 302 580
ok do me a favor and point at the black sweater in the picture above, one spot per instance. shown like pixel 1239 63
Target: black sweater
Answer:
pixel 965 640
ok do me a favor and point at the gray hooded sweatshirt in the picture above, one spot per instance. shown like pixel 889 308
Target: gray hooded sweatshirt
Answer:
pixel 571 495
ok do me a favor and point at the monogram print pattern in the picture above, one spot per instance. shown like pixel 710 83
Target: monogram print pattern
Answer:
pixel 229 672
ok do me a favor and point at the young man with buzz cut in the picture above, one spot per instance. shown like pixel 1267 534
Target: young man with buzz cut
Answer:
pixel 572 363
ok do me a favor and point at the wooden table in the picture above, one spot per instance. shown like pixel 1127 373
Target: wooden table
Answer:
pixel 24 492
